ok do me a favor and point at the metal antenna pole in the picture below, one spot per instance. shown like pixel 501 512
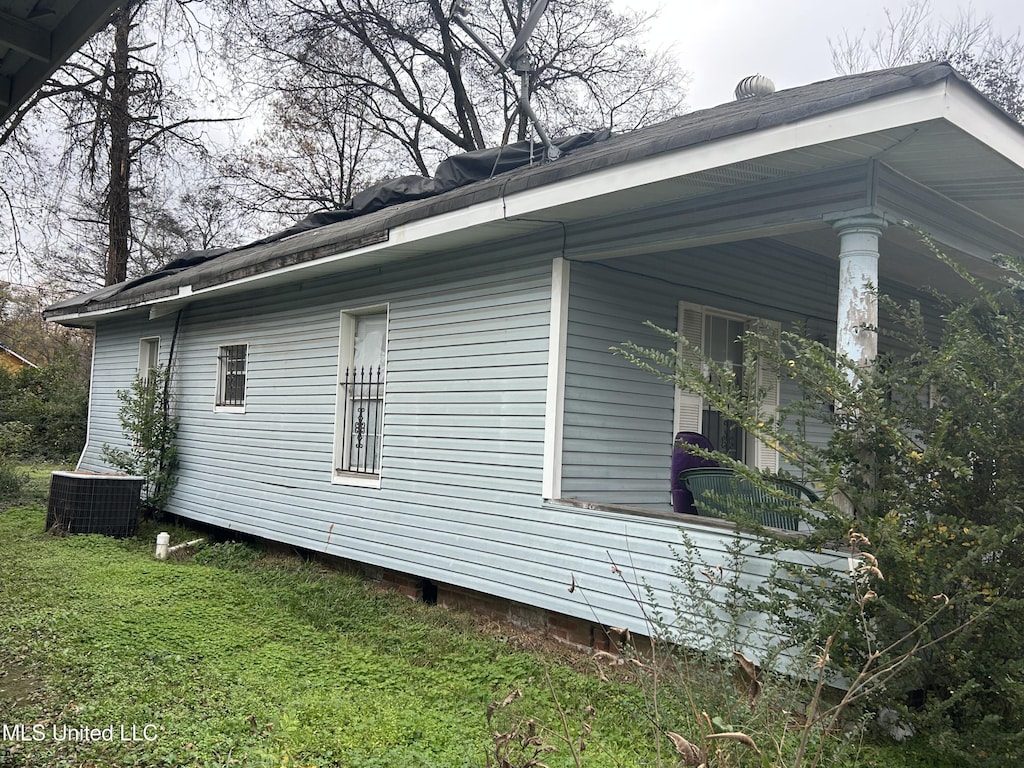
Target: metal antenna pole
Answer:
pixel 553 152
pixel 457 18
pixel 520 63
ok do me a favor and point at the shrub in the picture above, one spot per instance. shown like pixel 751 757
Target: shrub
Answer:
pixel 53 403
pixel 150 427
pixel 707 704
pixel 925 459
pixel 12 481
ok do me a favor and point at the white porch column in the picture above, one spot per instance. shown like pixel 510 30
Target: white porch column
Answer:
pixel 858 288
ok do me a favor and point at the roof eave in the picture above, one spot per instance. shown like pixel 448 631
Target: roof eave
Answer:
pixel 83 20
pixel 946 99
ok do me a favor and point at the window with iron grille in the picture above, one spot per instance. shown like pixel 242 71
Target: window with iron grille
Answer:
pixel 231 367
pixel 361 378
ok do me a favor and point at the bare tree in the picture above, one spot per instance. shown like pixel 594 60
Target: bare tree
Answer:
pixel 898 43
pixel 173 218
pixel 423 89
pixel 95 142
pixel 114 113
pixel 318 148
pixel 993 63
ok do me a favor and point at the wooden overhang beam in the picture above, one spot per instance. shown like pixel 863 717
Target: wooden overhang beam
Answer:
pixel 25 37
pixel 764 209
pixel 947 222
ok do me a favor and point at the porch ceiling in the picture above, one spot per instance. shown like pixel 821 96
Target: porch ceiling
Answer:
pixel 935 154
pixel 36 37
pixel 953 163
pixel 967 195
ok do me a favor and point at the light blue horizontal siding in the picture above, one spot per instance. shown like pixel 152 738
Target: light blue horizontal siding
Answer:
pixel 464 414
pixel 116 362
pixel 460 497
pixel 618 419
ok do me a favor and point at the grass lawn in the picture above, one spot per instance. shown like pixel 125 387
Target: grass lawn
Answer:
pixel 235 657
pixel 231 655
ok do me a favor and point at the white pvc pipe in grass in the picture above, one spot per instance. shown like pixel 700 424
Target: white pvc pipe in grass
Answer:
pixel 163 548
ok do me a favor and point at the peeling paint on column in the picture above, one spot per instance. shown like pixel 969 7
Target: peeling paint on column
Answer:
pixel 857 315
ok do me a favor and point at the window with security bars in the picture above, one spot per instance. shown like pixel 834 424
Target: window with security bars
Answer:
pixel 231 365
pixel 361 395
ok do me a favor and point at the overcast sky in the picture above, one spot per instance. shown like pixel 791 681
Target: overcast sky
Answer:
pixel 719 42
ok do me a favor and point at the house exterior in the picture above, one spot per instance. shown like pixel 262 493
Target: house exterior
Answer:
pixel 11 361
pixel 428 389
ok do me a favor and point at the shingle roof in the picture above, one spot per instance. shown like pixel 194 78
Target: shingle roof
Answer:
pixel 730 119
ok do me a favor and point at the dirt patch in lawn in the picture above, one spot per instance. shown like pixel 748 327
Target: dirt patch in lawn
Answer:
pixel 19 687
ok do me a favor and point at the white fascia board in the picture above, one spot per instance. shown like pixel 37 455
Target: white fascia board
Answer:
pixel 155 308
pixel 892 111
pixel 404 234
pixel 94 314
pixel 465 218
pixel 969 112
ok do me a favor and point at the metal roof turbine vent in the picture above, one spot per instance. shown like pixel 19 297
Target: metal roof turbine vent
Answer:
pixel 755 85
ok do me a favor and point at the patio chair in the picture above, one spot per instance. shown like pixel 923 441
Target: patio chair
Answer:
pixel 717 490
pixel 682 459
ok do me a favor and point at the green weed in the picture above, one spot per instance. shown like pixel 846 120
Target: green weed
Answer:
pixel 232 656
pixel 235 657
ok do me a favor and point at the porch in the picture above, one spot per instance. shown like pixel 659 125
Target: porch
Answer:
pixel 797 253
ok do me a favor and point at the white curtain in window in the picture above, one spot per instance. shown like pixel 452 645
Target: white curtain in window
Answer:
pixel 370 338
pixel 697 324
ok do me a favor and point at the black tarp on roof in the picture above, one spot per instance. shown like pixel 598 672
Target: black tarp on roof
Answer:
pixel 452 173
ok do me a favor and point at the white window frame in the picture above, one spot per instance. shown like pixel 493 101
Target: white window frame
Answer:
pixel 689 406
pixel 149 356
pixel 343 413
pixel 220 406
